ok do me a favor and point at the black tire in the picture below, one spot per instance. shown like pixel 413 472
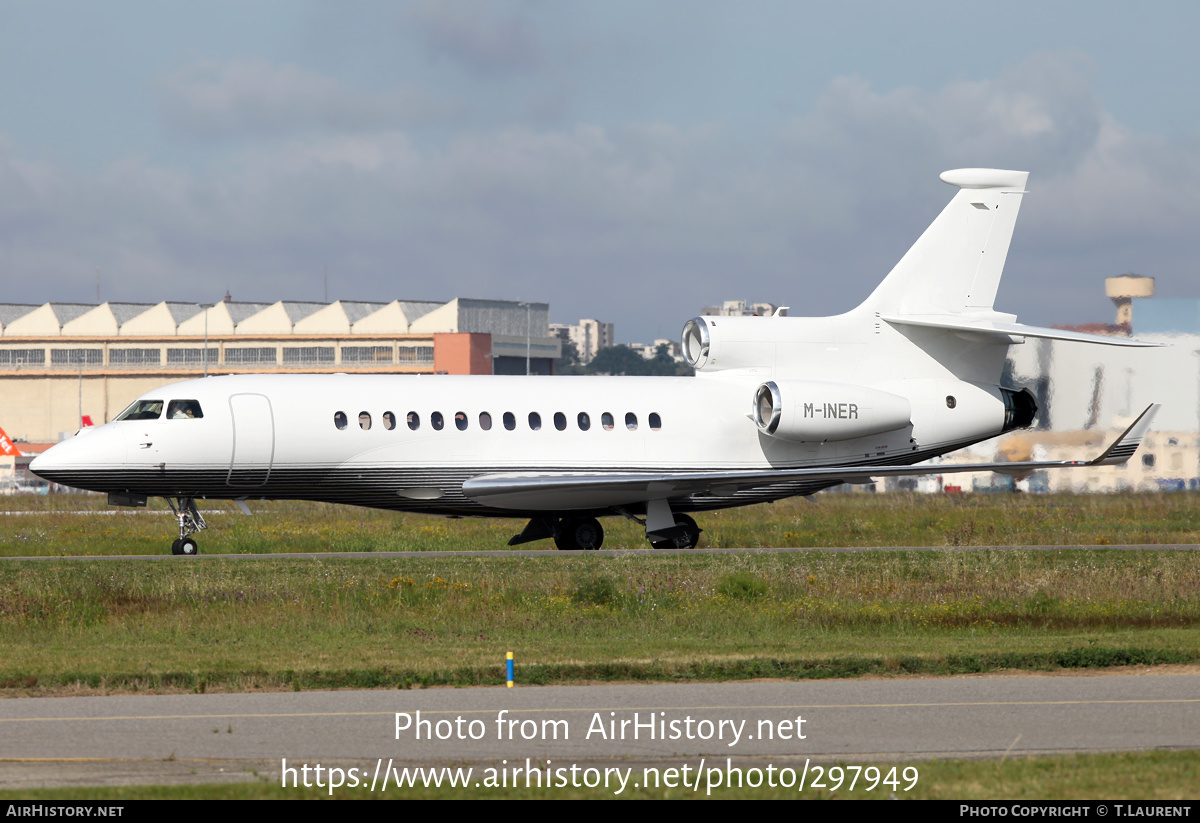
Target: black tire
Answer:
pixel 579 533
pixel 687 540
pixel 175 547
pixel 188 546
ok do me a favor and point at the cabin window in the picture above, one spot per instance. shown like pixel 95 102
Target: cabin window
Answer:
pixel 389 420
pixel 606 420
pixel 460 421
pixel 143 410
pixel 183 410
pixel 339 420
pixel 485 421
pixel 414 421
pixel 655 421
pixel 364 420
pixel 510 421
pixel 535 421
pixel 560 421
pixel 436 421
pixel 630 421
pixel 584 421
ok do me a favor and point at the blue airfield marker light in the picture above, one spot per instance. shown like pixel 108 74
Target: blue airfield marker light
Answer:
pixel 510 671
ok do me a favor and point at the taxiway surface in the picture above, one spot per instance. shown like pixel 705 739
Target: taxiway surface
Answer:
pixel 201 738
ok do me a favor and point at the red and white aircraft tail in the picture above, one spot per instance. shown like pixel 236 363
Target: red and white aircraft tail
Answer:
pixel 7 447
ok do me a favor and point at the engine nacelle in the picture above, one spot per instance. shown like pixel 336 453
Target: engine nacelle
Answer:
pixel 811 411
pixel 721 343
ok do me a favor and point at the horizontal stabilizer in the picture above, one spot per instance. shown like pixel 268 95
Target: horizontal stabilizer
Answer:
pixel 966 323
pixel 563 491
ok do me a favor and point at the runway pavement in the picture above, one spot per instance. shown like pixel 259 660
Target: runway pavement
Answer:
pixel 206 738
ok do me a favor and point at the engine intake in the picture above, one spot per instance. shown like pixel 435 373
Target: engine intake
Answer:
pixel 810 411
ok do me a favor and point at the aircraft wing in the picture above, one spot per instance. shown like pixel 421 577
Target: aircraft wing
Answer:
pixel 564 491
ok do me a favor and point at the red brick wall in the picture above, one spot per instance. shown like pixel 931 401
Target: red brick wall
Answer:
pixel 462 353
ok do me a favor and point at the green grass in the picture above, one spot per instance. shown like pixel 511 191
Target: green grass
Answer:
pixel 439 620
pixel 1148 776
pixel 836 520
pixel 185 624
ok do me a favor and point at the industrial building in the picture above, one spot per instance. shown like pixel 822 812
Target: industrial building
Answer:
pixel 62 362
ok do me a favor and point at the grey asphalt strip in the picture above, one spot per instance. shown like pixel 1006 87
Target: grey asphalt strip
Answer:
pixel 857 722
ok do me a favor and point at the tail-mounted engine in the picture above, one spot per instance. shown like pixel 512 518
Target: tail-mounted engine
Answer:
pixel 1019 409
pixel 815 412
pixel 719 343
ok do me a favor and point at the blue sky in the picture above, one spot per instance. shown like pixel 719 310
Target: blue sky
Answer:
pixel 626 161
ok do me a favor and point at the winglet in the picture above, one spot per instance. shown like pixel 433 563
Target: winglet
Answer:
pixel 1125 445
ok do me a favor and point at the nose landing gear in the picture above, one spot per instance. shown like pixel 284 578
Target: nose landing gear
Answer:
pixel 190 522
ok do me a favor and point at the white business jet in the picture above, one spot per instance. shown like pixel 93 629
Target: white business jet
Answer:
pixel 780 406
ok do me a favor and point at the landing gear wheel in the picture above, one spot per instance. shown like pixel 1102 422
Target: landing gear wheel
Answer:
pixel 685 540
pixel 579 533
pixel 185 545
pixel 190 522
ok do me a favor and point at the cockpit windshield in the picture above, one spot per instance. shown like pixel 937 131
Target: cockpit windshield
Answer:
pixel 143 410
pixel 183 410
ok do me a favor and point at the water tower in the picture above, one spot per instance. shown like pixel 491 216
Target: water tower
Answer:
pixel 1122 289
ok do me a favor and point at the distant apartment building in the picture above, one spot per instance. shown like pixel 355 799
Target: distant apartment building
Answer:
pixel 650 350
pixel 60 362
pixel 739 308
pixel 589 337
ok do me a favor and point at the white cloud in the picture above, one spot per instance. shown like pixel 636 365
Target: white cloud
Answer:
pixel 255 98
pixel 641 224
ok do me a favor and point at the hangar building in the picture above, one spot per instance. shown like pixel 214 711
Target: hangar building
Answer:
pixel 61 362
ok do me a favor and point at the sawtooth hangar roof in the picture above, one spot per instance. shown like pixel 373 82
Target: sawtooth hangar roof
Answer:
pixel 342 317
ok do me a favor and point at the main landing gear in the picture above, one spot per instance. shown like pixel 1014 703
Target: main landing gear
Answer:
pixel 569 533
pixel 190 522
pixel 574 533
pixel 685 535
pixel 664 530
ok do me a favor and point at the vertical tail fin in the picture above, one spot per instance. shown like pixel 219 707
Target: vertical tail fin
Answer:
pixel 955 266
pixel 7 447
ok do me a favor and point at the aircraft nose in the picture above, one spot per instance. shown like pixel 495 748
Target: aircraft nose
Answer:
pixel 72 461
